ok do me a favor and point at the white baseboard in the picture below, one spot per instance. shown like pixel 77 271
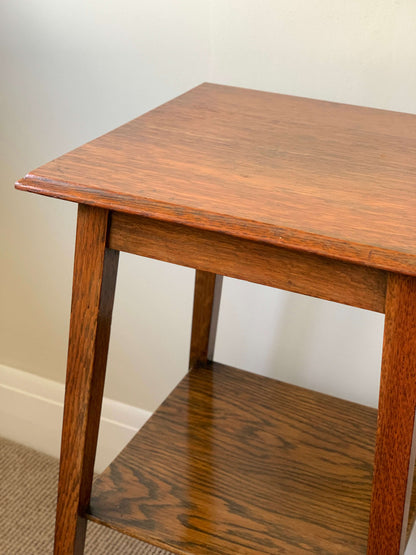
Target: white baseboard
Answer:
pixel 31 413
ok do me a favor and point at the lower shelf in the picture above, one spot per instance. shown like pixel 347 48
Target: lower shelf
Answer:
pixel 237 463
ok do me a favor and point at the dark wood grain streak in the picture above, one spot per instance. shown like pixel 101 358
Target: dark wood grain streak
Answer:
pixel 218 253
pixel 394 458
pixel 236 463
pixel 320 177
pixel 207 295
pixel 95 270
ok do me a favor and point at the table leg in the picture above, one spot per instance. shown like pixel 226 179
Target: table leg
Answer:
pixel 395 446
pixel 205 317
pixel 95 270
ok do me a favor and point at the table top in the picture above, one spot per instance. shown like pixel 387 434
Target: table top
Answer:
pixel 322 177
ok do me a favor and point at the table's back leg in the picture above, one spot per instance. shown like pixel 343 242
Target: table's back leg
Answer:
pixel 395 446
pixel 95 271
pixel 207 297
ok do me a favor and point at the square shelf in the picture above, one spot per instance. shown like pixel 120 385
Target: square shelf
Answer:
pixel 233 462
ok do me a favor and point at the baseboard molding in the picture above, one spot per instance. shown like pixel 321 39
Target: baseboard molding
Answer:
pixel 31 413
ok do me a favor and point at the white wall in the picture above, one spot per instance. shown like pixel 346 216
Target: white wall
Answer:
pixel 71 70
pixel 347 51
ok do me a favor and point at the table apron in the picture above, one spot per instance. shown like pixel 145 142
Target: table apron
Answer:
pixel 299 272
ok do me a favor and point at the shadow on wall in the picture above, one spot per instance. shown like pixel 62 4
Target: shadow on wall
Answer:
pixel 317 344
pixel 329 347
pixel 294 338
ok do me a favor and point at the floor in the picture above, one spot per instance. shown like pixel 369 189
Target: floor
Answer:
pixel 27 508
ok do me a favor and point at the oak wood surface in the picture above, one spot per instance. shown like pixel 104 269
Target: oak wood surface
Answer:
pixel 207 295
pixel 309 196
pixel 395 448
pixel 214 252
pixel 316 176
pixel 236 463
pixel 95 270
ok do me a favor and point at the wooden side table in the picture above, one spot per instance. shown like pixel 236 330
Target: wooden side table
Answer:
pixel 307 196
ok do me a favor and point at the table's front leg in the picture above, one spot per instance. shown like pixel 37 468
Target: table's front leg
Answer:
pixel 95 270
pixel 395 449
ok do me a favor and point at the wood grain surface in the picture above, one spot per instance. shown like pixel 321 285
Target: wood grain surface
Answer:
pixel 320 177
pixel 207 296
pixel 215 252
pixel 395 449
pixel 95 270
pixel 236 463
pixel 309 196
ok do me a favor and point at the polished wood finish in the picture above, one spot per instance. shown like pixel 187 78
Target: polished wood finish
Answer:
pixel 233 463
pixel 320 177
pixel 395 452
pixel 95 270
pixel 308 196
pixel 207 295
pixel 214 252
